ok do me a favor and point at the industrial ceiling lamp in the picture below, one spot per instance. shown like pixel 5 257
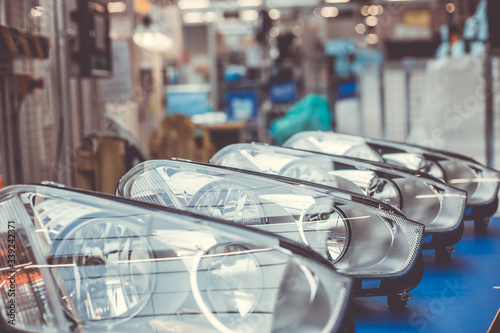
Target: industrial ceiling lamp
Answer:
pixel 151 36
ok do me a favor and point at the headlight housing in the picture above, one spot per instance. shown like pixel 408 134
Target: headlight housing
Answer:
pixel 363 238
pixel 423 199
pixel 480 182
pixel 98 263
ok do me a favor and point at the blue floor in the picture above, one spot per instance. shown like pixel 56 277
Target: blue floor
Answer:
pixel 462 295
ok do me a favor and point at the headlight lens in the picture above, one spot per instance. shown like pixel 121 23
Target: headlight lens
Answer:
pixel 384 190
pixel 97 264
pixel 481 183
pixel 228 201
pixel 115 276
pixel 305 171
pixel 423 199
pixel 333 143
pixel 322 221
pixel 432 168
pixel 309 170
pixel 416 162
pixel 363 152
pixel 324 217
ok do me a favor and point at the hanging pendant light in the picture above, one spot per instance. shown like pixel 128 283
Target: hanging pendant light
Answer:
pixel 151 36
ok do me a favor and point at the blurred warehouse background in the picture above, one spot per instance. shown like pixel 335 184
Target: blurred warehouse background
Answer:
pixel 89 88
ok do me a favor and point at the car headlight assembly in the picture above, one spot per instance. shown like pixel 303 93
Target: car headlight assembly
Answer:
pixel 78 261
pixel 416 162
pixel 363 238
pixel 480 182
pixel 421 198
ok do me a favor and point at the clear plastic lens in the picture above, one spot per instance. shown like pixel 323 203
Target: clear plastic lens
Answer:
pixel 391 236
pixel 25 292
pixel 228 285
pixel 107 267
pixel 320 220
pixel 384 190
pixel 305 171
pixel 488 185
pixel 331 228
pixel 312 170
pixel 363 152
pixel 118 267
pixel 480 182
pixel 407 160
pixel 229 201
pixel 416 162
pixel 433 169
pixel 298 289
pixel 333 143
pixel 462 176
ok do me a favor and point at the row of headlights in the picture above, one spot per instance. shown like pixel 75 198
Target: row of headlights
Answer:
pixel 480 182
pixel 181 257
pixel 418 196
